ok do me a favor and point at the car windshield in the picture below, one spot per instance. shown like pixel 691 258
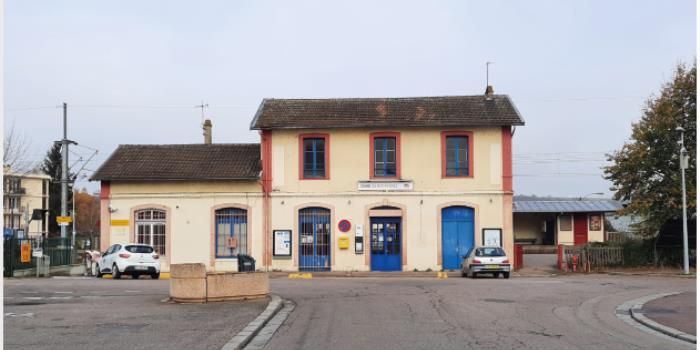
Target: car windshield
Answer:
pixel 490 252
pixel 144 249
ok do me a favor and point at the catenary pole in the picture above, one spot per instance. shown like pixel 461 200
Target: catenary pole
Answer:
pixel 64 171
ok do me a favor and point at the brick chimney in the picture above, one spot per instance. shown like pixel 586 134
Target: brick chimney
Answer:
pixel 207 131
pixel 489 91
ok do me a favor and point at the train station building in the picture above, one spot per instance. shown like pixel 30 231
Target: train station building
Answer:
pixel 359 184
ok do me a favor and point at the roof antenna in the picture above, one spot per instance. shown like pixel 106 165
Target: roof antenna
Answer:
pixel 489 88
pixel 202 106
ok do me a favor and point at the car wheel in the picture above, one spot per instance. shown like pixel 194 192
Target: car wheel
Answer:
pixel 464 274
pixel 506 274
pixel 155 276
pixel 97 271
pixel 135 276
pixel 115 272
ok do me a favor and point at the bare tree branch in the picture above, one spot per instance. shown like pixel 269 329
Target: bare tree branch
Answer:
pixel 16 151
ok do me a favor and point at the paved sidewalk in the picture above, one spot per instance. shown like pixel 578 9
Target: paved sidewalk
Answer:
pixel 676 311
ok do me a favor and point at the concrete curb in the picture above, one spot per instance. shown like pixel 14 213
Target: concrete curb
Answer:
pixel 240 340
pixel 634 309
pixel 637 315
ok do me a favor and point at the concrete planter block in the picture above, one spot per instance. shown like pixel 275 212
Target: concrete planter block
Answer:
pixel 188 283
pixel 188 271
pixel 237 285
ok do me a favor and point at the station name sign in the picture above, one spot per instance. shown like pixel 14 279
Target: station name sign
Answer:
pixel 385 186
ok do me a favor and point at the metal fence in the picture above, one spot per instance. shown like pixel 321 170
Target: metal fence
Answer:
pixel 586 258
pixel 59 250
pixel 630 253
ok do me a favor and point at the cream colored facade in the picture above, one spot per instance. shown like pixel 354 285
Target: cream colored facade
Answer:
pixel 22 194
pixel 189 208
pixel 420 163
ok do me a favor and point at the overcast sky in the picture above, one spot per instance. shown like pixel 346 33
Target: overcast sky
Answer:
pixel 132 71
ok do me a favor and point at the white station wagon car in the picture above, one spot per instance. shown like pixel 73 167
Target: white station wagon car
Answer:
pixel 129 259
pixel 492 260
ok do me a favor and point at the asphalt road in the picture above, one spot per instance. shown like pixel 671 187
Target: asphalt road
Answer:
pixel 562 312
pixel 90 313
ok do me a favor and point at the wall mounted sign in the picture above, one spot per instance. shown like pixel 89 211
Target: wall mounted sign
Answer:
pixel 385 185
pixel 359 238
pixel 492 237
pixel 344 225
pixel 120 222
pixel 343 242
pixel 594 223
pixel 282 242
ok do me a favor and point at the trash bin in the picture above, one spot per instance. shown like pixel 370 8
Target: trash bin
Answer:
pixel 246 263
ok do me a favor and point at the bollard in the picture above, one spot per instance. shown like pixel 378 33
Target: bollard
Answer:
pixel 574 262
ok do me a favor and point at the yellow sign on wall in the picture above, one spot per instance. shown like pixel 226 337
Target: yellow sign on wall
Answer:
pixel 120 222
pixel 26 252
pixel 343 242
pixel 66 219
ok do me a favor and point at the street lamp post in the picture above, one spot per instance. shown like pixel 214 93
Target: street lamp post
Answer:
pixel 684 165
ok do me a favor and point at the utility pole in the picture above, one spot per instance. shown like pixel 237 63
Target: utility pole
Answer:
pixel 684 165
pixel 73 214
pixel 64 170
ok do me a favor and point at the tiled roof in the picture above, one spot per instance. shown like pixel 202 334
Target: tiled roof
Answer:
pixel 572 206
pixel 181 162
pixel 497 110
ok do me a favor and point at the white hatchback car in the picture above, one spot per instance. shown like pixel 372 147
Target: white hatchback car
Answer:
pixel 492 260
pixel 129 259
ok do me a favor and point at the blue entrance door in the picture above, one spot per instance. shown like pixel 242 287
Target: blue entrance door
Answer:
pixel 314 239
pixel 386 244
pixel 457 235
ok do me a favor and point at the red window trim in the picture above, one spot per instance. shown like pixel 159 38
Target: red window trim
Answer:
pixel 326 155
pixel 443 155
pixel 374 135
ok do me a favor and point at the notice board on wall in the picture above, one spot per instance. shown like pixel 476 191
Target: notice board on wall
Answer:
pixel 492 237
pixel 282 243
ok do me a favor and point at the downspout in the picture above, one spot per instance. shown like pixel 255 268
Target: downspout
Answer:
pixel 266 138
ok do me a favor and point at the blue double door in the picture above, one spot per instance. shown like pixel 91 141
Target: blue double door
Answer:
pixel 385 244
pixel 457 235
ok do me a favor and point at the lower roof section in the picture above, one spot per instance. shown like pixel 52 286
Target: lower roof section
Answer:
pixel 565 206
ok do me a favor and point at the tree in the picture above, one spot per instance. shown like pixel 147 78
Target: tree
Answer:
pixel 52 167
pixel 87 213
pixel 646 171
pixel 16 148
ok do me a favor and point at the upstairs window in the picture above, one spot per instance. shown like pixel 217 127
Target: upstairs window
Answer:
pixel 457 154
pixel 385 155
pixel 313 151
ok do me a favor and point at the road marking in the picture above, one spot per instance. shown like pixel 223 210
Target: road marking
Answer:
pixel 132 291
pixel 61 298
pixel 33 298
pixel 63 292
pixel 28 292
pixel 12 314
